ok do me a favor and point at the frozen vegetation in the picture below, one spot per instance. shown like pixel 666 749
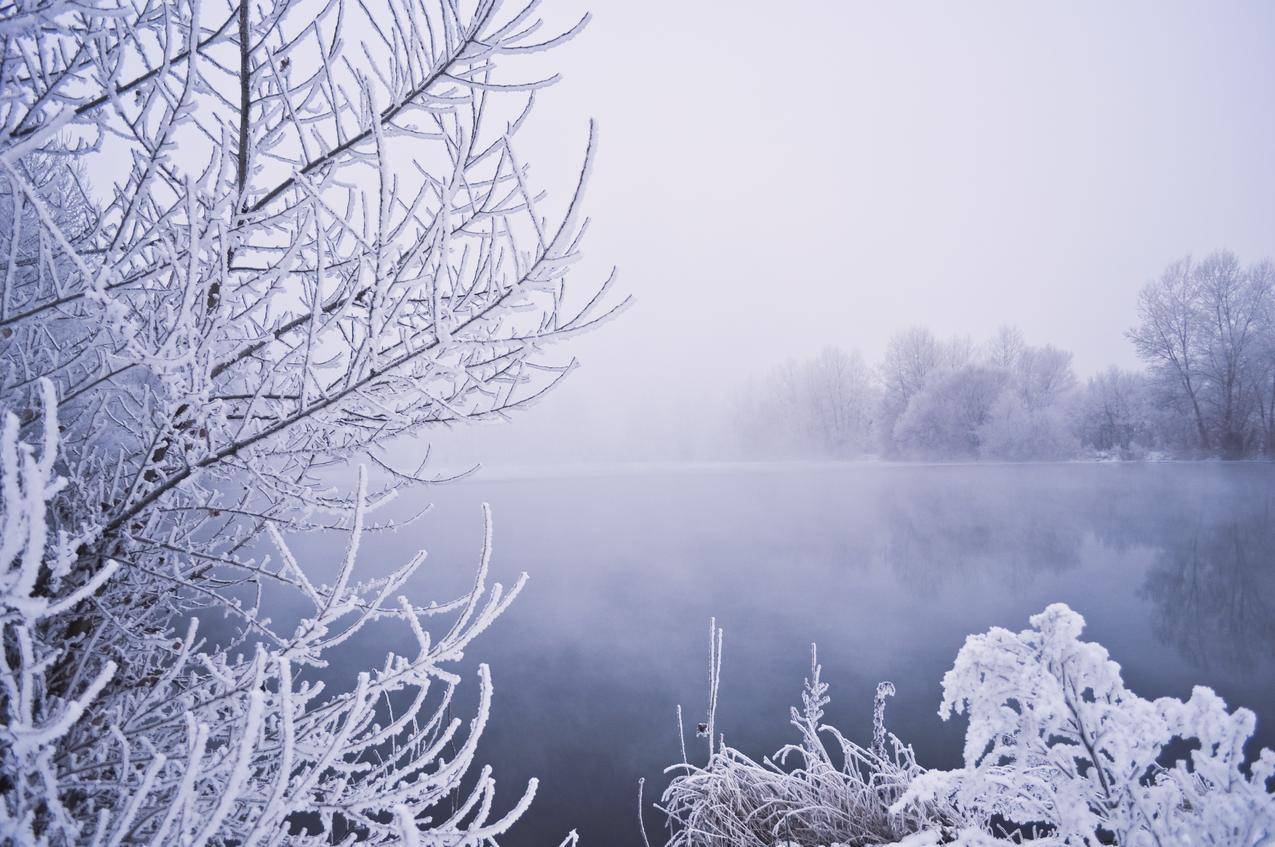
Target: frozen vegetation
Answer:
pixel 1057 752
pixel 1206 331
pixel 807 793
pixel 241 243
pixel 167 738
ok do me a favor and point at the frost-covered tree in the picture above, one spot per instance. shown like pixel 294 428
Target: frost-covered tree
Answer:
pixel 1261 364
pixel 822 406
pixel 1003 349
pixel 945 419
pixel 1114 413
pixel 1266 394
pixel 307 232
pixel 911 358
pixel 1204 329
pixel 1033 417
pixel 842 398
pixel 1168 337
pixel 915 359
pixel 1042 376
pixel 1018 431
pixel 931 398
pixel 1233 306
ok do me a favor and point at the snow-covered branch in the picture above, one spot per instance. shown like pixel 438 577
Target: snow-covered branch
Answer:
pixel 213 745
pixel 307 233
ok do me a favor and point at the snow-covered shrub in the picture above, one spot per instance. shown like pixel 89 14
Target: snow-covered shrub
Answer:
pixel 1057 745
pixel 805 794
pixel 1057 752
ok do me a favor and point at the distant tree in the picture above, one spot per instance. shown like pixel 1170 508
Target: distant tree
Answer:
pixel 911 358
pixel 1018 431
pixel 1042 376
pixel 767 412
pixel 841 397
pixel 1232 304
pixel 1264 358
pixel 957 351
pixel 1114 412
pixel 945 419
pixel 823 406
pixel 1033 418
pixel 1004 347
pixel 1170 337
pixel 1204 328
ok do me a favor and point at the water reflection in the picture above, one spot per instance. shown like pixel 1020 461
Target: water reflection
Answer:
pixel 888 568
pixel 999 527
pixel 1213 595
pixel 1211 582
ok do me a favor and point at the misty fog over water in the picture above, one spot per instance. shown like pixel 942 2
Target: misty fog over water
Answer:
pixel 887 567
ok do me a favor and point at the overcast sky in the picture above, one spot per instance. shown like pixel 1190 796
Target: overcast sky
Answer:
pixel 774 177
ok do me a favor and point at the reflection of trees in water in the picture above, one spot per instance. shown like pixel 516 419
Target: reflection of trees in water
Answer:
pixel 992 524
pixel 1214 595
pixel 1210 529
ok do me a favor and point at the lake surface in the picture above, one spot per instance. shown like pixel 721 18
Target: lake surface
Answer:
pixel 887 567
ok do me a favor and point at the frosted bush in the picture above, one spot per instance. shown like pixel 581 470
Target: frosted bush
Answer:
pixel 1057 745
pixel 807 794
pixel 1057 752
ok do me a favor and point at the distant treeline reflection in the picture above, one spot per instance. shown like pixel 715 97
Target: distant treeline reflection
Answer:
pixel 1211 579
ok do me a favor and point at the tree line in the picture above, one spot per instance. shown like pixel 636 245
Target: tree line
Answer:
pixel 1205 331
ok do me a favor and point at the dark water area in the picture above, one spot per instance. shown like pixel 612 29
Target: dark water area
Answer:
pixel 887 567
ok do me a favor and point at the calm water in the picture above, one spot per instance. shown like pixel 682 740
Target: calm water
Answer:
pixel 888 568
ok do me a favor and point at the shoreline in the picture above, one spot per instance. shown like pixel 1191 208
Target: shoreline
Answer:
pixel 493 472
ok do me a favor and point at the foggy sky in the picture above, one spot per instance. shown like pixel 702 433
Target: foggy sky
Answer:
pixel 775 177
